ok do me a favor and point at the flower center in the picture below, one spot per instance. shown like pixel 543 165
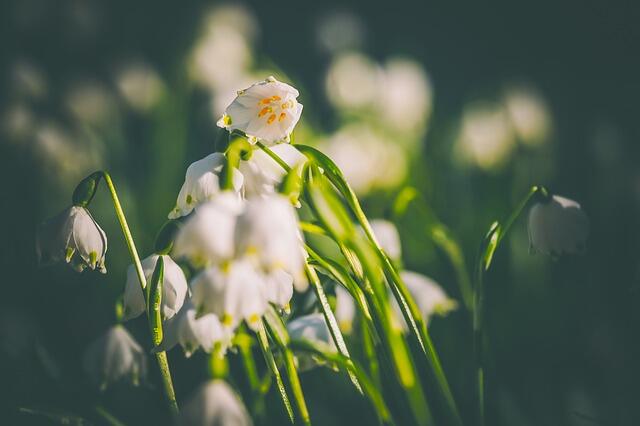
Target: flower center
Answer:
pixel 272 109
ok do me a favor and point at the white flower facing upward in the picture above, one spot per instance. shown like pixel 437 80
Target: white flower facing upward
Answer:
pixel 262 174
pixel 202 183
pixel 268 233
pixel 558 225
pixel 74 236
pixel 214 403
pixel 313 328
pixel 234 292
pixel 174 288
pixel 193 332
pixel 267 111
pixel 207 237
pixel 113 357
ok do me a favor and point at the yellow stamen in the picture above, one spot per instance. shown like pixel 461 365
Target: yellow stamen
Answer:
pixel 271 119
pixel 264 111
pixel 283 115
pixel 227 319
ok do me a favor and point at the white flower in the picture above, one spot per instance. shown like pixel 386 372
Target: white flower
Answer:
pixel 279 288
pixel 214 403
pixel 140 86
pixel 262 174
pixel 193 332
pixel 345 309
pixel 233 292
pixel 314 328
pixel 529 115
pixel 353 81
pixel 388 237
pixel 174 288
pixel 113 357
pixel 208 235
pixel 268 111
pixel 267 231
pixel 202 183
pixel 428 295
pixel 558 225
pixel 74 236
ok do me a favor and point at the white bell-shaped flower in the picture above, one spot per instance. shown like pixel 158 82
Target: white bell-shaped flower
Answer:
pixel 174 288
pixel 234 292
pixel 202 183
pixel 214 404
pixel 113 357
pixel 428 295
pixel 279 287
pixel 193 332
pixel 262 174
pixel 558 225
pixel 312 327
pixel 267 232
pixel 388 237
pixel 345 309
pixel 208 235
pixel 74 236
pixel 268 111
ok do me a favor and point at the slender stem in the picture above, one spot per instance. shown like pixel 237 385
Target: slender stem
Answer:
pixel 518 211
pixel 271 364
pixel 296 387
pixel 274 156
pixel 161 357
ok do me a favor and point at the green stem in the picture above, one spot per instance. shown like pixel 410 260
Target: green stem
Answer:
pixel 273 367
pixel 161 357
pixel 274 156
pixel 296 387
pixel 518 211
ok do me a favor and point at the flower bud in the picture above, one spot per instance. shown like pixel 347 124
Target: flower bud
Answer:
pixel 86 189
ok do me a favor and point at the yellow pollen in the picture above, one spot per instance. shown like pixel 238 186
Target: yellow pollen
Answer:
pixel 227 319
pixel 283 115
pixel 253 318
pixel 265 111
pixel 271 119
pixel 267 101
pixel 275 98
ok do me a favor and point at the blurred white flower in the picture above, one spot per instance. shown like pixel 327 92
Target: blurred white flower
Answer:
pixel 529 115
pixel 208 235
pixel 388 237
pixel 202 183
pixel 74 236
pixel 345 309
pixel 313 328
pixel 174 288
pixel 279 288
pixel 340 31
pixel 234 292
pixel 262 174
pixel 367 159
pixel 557 226
pixel 267 232
pixel 139 85
pixel 428 295
pixel 113 357
pixel 267 110
pixel 353 81
pixel 90 102
pixel 214 403
pixel 193 332
pixel 18 122
pixel 405 96
pixel 28 80
pixel 486 137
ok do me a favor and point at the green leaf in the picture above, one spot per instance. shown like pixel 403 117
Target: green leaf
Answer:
pixel 273 367
pixel 154 301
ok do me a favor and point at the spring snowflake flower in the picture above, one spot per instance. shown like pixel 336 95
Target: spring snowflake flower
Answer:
pixel 193 332
pixel 262 174
pixel 74 236
pixel 267 111
pixel 233 292
pixel 279 287
pixel 345 309
pixel 174 288
pixel 388 237
pixel 314 328
pixel 202 183
pixel 558 225
pixel 208 235
pixel 268 233
pixel 115 356
pixel 214 403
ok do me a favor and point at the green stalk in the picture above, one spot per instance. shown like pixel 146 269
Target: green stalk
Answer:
pixel 275 157
pixel 161 357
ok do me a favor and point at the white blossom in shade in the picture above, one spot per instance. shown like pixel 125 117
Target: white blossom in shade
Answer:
pixel 193 332
pixel 202 183
pixel 174 288
pixel 262 174
pixel 214 404
pixel 353 81
pixel 558 226
pixel 529 115
pixel 313 328
pixel 74 236
pixel 268 233
pixel 406 95
pixel 139 85
pixel 234 292
pixel 267 110
pixel 388 237
pixel 345 309
pixel 90 102
pixel 279 288
pixel 486 137
pixel 428 295
pixel 115 357
pixel 208 235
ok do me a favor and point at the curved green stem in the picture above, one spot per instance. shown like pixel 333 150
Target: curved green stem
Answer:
pixel 273 367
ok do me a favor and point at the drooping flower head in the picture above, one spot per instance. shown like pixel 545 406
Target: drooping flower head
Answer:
pixel 214 403
pixel 74 236
pixel 267 111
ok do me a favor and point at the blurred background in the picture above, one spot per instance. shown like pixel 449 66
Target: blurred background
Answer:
pixel 471 103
